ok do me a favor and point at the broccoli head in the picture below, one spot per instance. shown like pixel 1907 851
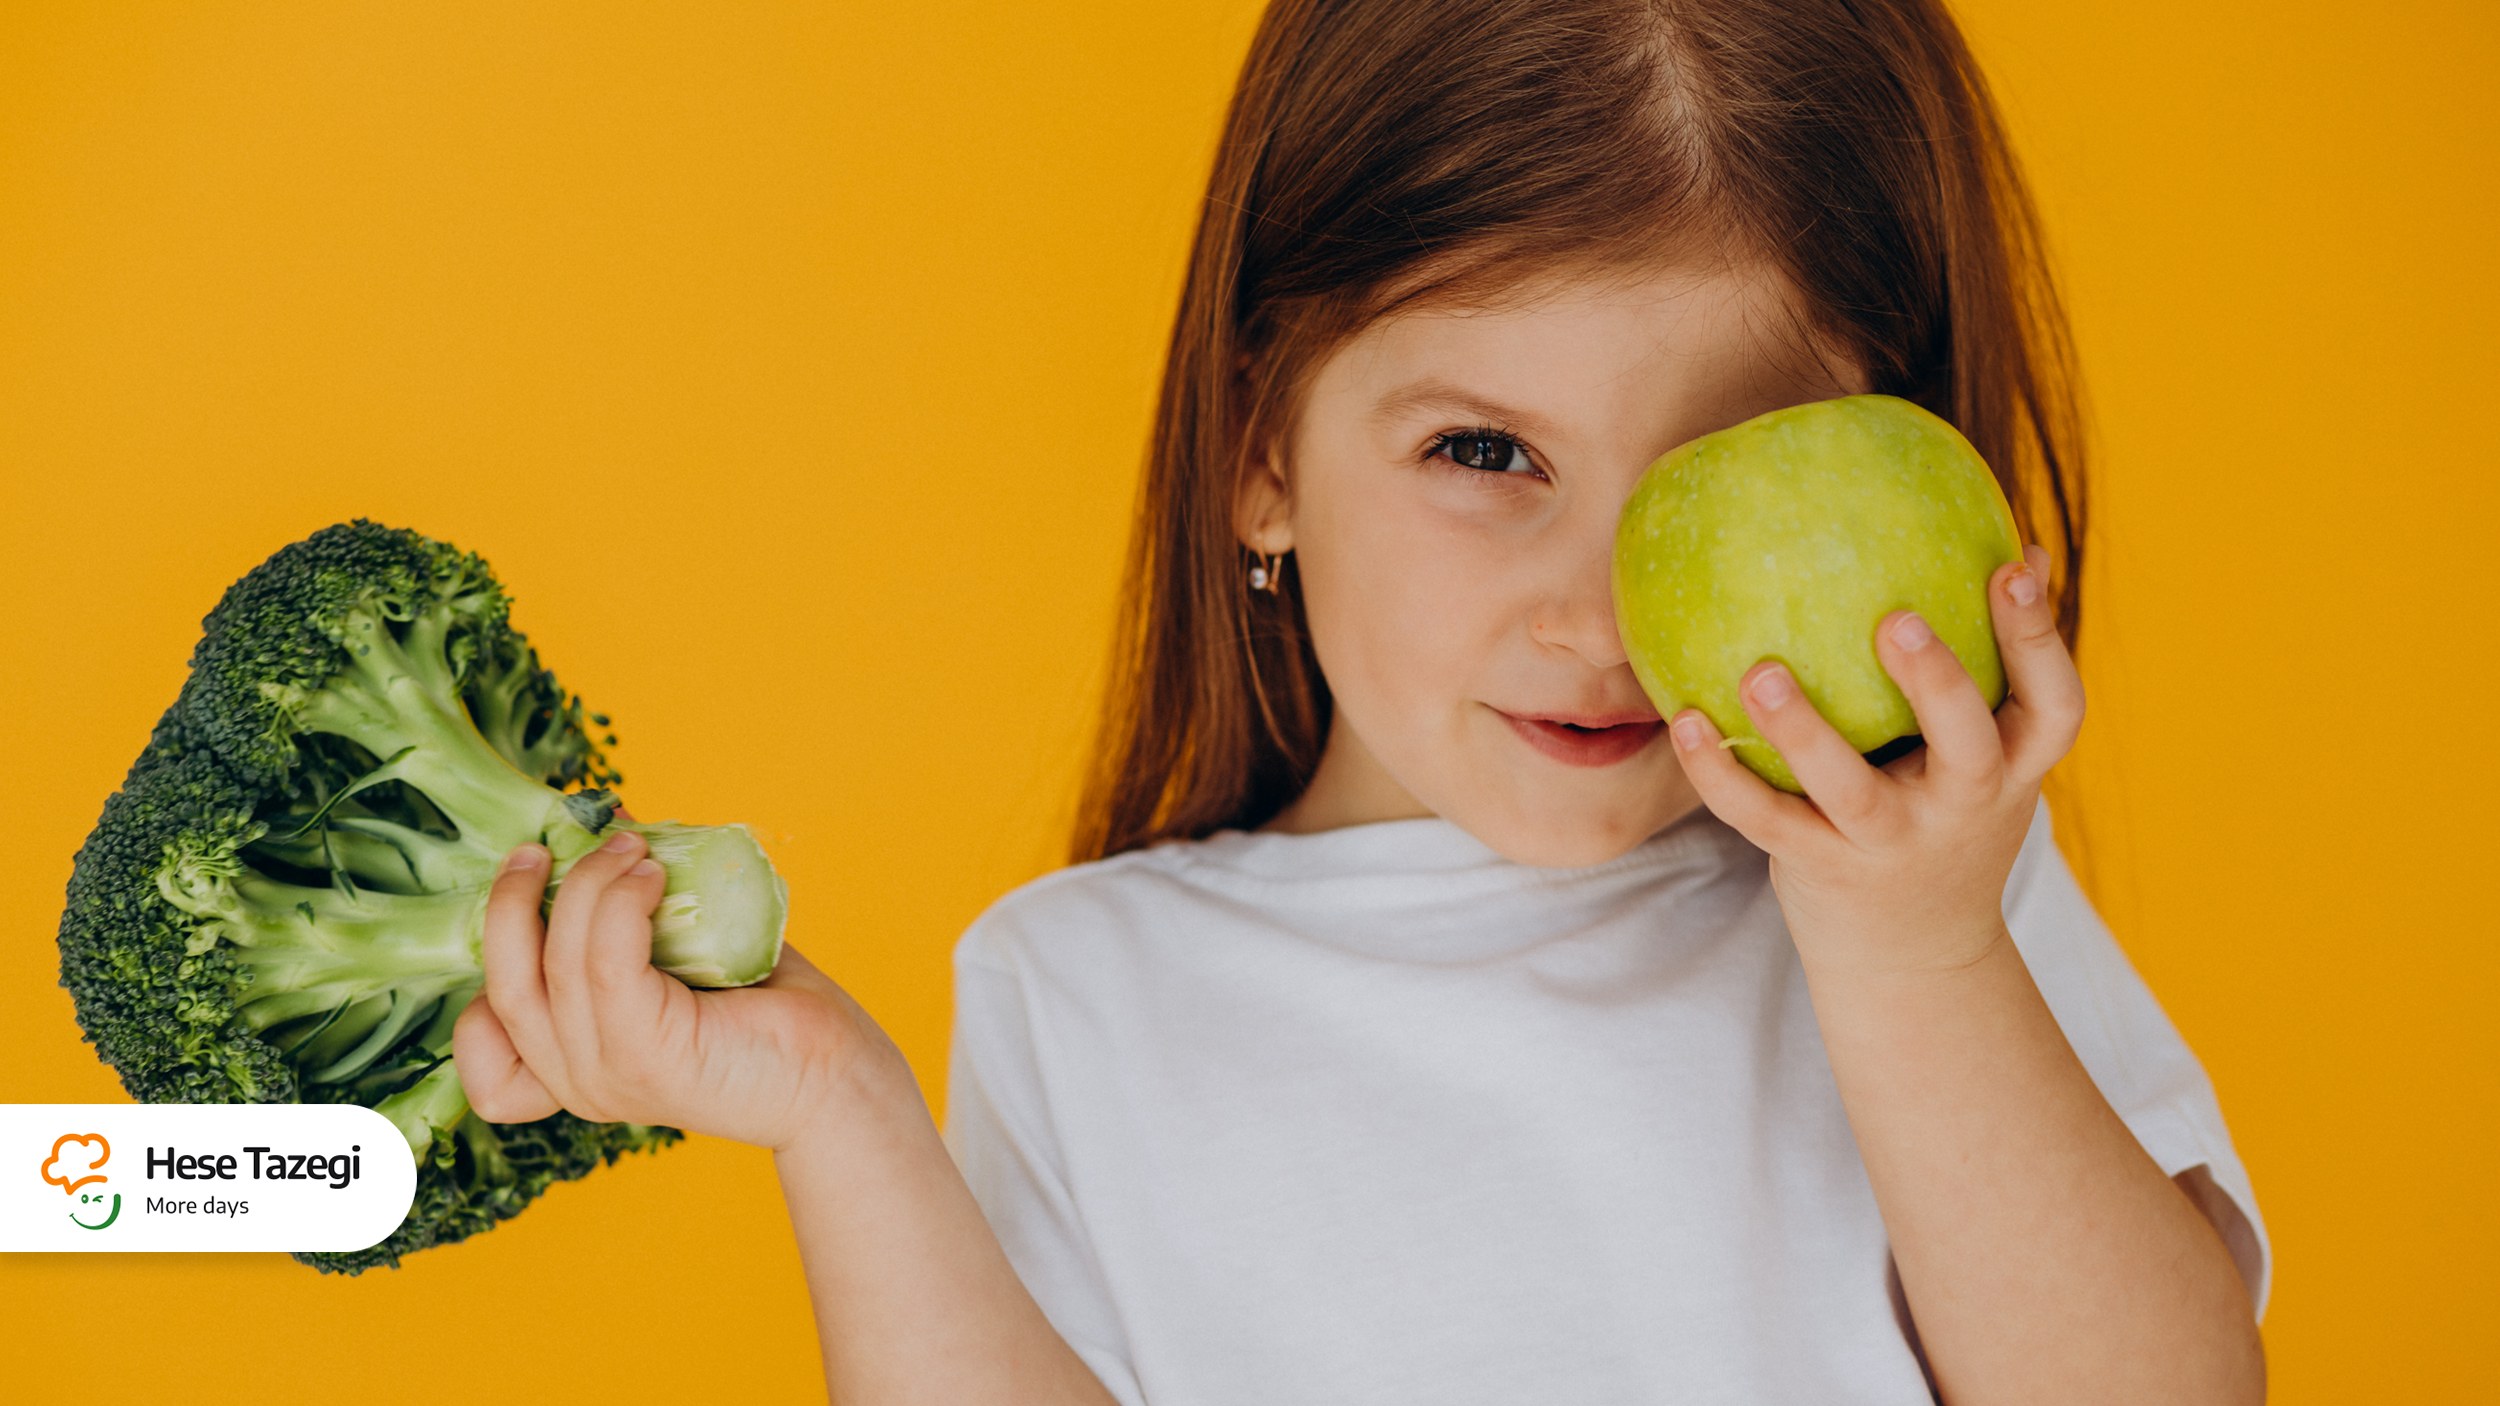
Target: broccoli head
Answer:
pixel 283 901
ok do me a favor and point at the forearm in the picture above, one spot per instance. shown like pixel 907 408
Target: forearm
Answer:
pixel 2045 1256
pixel 915 1300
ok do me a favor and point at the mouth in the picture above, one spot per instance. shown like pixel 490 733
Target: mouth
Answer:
pixel 1587 741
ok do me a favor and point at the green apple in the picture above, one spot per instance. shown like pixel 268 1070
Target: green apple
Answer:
pixel 1789 537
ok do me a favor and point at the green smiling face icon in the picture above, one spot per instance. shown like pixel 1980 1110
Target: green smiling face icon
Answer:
pixel 98 1198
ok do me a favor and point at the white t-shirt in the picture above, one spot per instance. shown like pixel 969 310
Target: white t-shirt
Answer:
pixel 1376 1115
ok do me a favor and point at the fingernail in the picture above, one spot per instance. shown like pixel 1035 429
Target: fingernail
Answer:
pixel 621 841
pixel 1773 687
pixel 525 857
pixel 645 869
pixel 2023 586
pixel 1911 633
pixel 1687 732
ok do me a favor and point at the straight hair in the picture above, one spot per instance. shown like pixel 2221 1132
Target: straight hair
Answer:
pixel 1379 154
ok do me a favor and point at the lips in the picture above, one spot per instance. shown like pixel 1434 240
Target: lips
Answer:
pixel 1587 739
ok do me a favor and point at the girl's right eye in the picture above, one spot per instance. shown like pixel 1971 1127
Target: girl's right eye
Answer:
pixel 1488 451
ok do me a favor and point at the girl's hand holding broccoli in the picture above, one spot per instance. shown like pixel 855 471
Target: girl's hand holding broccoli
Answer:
pixel 574 1016
pixel 915 1298
pixel 1902 868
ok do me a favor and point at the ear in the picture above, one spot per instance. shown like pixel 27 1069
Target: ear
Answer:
pixel 1263 491
pixel 1263 504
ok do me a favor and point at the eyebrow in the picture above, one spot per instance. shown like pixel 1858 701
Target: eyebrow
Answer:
pixel 1436 394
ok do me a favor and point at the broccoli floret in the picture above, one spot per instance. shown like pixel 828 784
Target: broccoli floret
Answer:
pixel 283 900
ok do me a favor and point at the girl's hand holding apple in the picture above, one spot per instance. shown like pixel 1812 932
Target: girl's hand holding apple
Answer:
pixel 1902 868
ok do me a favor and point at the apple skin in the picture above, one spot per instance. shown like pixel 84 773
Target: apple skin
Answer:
pixel 1789 537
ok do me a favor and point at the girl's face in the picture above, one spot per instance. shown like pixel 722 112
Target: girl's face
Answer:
pixel 1450 497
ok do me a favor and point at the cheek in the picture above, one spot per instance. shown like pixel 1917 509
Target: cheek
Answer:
pixel 1403 593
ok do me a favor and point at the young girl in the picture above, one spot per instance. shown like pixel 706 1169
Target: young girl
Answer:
pixel 1424 1018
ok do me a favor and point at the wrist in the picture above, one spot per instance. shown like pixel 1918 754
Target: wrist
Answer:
pixel 862 1085
pixel 1940 950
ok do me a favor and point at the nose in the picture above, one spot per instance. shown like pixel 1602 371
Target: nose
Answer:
pixel 1576 609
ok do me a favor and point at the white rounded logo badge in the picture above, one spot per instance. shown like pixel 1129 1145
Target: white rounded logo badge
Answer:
pixel 296 1177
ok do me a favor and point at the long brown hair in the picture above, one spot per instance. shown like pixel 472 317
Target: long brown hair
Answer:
pixel 1380 152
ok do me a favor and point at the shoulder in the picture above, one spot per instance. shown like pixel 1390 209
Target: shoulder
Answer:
pixel 1082 906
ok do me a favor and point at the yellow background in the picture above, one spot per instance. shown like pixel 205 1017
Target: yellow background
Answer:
pixel 793 361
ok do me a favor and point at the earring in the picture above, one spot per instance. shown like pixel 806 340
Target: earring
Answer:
pixel 1263 575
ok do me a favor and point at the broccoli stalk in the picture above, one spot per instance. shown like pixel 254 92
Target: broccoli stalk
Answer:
pixel 285 899
pixel 399 697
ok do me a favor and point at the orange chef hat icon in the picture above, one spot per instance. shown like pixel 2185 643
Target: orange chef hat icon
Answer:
pixel 77 1160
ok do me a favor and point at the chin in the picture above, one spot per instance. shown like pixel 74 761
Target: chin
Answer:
pixel 1562 841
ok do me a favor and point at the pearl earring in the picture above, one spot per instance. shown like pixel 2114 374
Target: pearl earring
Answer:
pixel 1263 575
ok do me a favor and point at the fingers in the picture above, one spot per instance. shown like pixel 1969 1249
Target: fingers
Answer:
pixel 1962 744
pixel 500 1087
pixel 1762 813
pixel 2043 710
pixel 534 1042
pixel 509 948
pixel 1968 751
pixel 616 955
pixel 1840 783
pixel 633 1005
pixel 584 920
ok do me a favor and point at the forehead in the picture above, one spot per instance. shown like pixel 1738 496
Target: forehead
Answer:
pixel 1591 348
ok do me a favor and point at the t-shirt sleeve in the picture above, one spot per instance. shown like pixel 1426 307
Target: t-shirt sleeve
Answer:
pixel 998 1128
pixel 2129 1046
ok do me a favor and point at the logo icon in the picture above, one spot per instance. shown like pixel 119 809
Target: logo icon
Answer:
pixel 77 1162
